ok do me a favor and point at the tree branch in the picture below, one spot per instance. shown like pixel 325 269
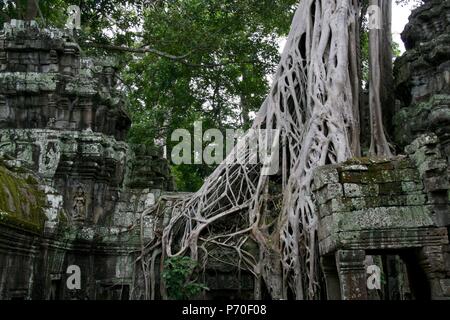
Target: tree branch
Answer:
pixel 162 54
pixel 136 50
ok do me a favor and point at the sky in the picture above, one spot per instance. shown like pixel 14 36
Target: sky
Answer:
pixel 399 20
pixel 400 16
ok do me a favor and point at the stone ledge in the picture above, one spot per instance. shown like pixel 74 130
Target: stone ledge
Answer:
pixel 384 239
pixel 384 204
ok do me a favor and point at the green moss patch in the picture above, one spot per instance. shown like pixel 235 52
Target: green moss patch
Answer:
pixel 21 203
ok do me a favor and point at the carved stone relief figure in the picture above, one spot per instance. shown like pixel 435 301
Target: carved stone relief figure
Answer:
pixel 4 109
pixel 49 157
pixel 79 205
pixel 51 123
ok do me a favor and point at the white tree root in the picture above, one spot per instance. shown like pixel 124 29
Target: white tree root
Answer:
pixel 379 145
pixel 314 105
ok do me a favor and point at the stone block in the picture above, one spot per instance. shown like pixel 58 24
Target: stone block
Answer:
pixel 436 165
pixel 425 140
pixel 403 163
pixel 326 227
pixel 416 199
pixel 382 218
pixel 352 177
pixel 354 167
pixel 325 175
pixel 328 244
pixel 390 188
pixel 445 287
pixel 407 175
pixel 439 213
pixel 353 190
pixel 395 238
pixel 436 183
pixel 324 209
pixel 440 197
pixel 331 191
pixel 358 203
pixel 345 205
pixel 412 186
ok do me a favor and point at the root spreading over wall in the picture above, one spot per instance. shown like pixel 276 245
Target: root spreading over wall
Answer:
pixel 313 106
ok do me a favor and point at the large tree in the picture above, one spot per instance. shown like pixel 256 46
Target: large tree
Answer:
pixel 313 104
pixel 380 73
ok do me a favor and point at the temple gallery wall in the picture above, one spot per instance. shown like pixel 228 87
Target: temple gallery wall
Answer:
pixel 74 192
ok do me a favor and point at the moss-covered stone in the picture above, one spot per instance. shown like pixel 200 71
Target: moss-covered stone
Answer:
pixel 21 202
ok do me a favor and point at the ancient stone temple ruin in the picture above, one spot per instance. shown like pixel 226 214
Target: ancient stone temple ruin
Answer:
pixel 395 213
pixel 73 192
pixel 70 187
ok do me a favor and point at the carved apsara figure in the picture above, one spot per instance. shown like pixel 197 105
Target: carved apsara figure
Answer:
pixel 79 205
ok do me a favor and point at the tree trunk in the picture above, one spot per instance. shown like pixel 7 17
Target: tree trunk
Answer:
pixel 244 104
pixel 244 112
pixel 354 48
pixel 387 77
pixel 312 106
pixel 379 145
pixel 31 10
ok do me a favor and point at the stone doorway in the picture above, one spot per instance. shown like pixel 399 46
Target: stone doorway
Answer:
pixel 379 275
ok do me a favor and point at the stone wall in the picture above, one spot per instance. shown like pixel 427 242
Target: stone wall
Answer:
pixel 45 84
pixel 72 192
pixel 385 206
pixel 422 76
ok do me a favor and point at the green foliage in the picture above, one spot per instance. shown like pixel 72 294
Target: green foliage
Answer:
pixel 176 274
pixel 228 49
pixel 188 177
pixel 364 55
pixel 54 12
pixel 395 49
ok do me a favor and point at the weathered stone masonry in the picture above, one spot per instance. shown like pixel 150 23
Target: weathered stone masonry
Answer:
pixel 422 76
pixel 62 125
pixel 385 207
pixel 397 209
pixel 70 187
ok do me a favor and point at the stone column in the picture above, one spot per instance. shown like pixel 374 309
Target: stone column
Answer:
pixel 352 274
pixel 86 106
pixel 433 263
pixel 330 272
